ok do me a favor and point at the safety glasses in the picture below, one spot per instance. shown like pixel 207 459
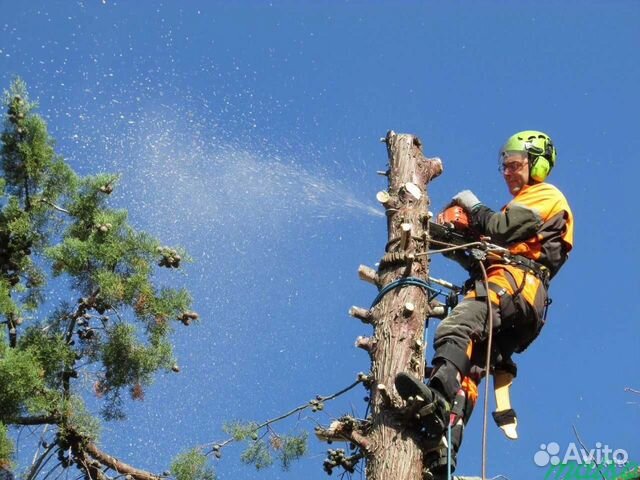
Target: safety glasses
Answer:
pixel 512 162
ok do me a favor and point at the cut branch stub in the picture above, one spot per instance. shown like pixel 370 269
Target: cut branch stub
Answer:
pixel 387 200
pixel 383 196
pixel 425 217
pixel 384 394
pixel 368 274
pixel 413 189
pixel 409 308
pixel 362 314
pixel 405 235
pixel 437 310
pixel 366 343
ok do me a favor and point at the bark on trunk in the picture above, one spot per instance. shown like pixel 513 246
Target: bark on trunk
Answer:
pixel 399 318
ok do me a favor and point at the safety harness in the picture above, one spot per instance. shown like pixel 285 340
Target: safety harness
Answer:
pixel 530 266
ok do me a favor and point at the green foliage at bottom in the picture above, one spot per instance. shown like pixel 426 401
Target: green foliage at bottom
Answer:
pixel 6 446
pixel 21 380
pixel 191 465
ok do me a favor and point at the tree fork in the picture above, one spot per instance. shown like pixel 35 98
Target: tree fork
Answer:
pixel 399 317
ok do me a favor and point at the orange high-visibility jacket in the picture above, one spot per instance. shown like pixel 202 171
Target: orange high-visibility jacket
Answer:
pixel 538 224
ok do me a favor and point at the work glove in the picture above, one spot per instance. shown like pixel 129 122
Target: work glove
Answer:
pixel 467 200
pixel 461 258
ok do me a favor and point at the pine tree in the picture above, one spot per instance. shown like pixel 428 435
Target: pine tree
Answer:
pixel 58 233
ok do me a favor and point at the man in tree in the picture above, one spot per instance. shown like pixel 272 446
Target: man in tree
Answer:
pixel 537 229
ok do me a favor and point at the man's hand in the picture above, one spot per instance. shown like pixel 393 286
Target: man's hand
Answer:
pixel 461 258
pixel 467 200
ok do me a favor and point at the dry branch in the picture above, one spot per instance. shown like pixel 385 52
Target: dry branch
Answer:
pixel 346 429
pixel 117 465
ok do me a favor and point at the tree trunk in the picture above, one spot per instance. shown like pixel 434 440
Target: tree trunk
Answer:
pixel 399 317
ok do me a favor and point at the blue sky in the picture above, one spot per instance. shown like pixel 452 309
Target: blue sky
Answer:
pixel 248 133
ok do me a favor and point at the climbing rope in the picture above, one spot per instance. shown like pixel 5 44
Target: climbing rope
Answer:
pixel 449 248
pixel 449 451
pixel 487 367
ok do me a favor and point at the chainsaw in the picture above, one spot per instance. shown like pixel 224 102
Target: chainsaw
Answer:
pixel 453 228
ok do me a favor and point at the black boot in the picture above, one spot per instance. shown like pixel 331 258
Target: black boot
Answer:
pixel 435 471
pixel 437 460
pixel 432 411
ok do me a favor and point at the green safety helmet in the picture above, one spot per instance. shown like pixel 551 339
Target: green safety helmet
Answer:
pixel 539 150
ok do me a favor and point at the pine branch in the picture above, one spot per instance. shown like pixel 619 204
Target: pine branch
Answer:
pixel 314 405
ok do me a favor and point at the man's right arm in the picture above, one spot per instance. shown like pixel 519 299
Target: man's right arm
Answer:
pixel 516 223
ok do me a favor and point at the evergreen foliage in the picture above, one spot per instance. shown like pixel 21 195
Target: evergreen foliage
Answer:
pixel 191 465
pixel 291 448
pixel 260 452
pixel 56 224
pixel 241 431
pixel 257 454
pixel 21 383
pixel 6 446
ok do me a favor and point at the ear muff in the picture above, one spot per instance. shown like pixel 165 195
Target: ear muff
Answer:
pixel 539 169
pixel 541 160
